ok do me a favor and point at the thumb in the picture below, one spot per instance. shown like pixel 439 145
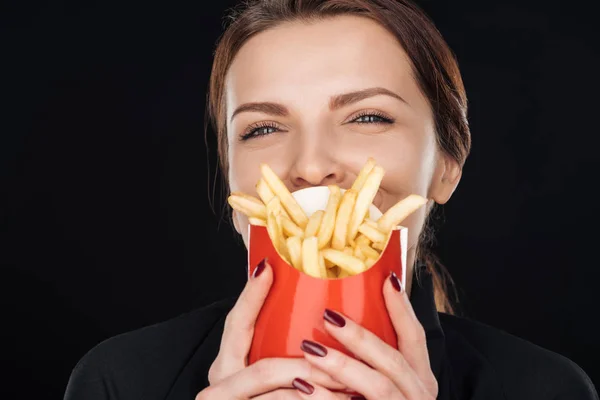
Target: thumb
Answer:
pixel 239 324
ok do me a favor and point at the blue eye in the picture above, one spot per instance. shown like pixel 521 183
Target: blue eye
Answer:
pixel 372 118
pixel 258 130
pixel 264 128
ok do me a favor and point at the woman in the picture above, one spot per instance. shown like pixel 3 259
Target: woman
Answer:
pixel 314 88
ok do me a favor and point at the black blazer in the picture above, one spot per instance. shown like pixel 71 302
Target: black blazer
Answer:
pixel 470 360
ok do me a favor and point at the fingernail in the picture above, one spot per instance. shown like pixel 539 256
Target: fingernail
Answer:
pixel 334 318
pixel 358 398
pixel 303 386
pixel 313 348
pixel 395 282
pixel 260 268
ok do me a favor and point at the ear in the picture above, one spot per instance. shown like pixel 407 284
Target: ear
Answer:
pixel 445 180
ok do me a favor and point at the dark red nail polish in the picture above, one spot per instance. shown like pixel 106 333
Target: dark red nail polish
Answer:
pixel 334 318
pixel 303 386
pixel 313 348
pixel 358 398
pixel 395 282
pixel 260 268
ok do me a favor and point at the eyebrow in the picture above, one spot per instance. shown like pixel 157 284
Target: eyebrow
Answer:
pixel 335 102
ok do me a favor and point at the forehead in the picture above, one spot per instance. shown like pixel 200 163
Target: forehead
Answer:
pixel 301 61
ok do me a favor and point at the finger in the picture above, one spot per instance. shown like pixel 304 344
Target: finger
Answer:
pixel 269 374
pixel 239 324
pixel 279 394
pixel 412 341
pixel 379 355
pixel 312 390
pixel 351 372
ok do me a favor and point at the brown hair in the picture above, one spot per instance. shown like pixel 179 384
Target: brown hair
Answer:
pixel 434 66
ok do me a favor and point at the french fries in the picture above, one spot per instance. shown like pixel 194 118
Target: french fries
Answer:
pixel 314 222
pixel 310 257
pixel 328 221
pixel 294 245
pixel 286 198
pixel 333 243
pixel 364 199
pixel 342 220
pixel 399 211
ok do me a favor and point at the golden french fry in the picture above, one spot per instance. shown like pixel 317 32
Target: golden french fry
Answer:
pixel 362 239
pixel 329 264
pixel 343 273
pixel 328 221
pixel 340 231
pixel 370 222
pixel 248 207
pixel 374 234
pixel 282 245
pixel 364 199
pixel 290 228
pixel 257 221
pixel 347 262
pixel 274 230
pixel 359 254
pixel 362 175
pixel 294 245
pixel 310 257
pixel 378 245
pixel 368 251
pixel 264 191
pixel 369 262
pixel 274 206
pixel 348 250
pixel 287 200
pixel 402 209
pixel 314 222
pixel 322 268
pixel 247 197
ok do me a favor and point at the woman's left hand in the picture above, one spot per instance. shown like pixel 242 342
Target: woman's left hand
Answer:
pixel 391 374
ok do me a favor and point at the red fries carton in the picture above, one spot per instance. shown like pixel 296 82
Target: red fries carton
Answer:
pixel 293 309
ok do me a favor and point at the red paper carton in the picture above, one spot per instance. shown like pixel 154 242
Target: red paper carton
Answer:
pixel 293 309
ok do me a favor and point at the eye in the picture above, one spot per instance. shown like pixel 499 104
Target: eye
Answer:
pixel 372 117
pixel 258 130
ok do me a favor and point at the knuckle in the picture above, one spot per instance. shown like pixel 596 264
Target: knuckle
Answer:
pixel 230 319
pixel 214 373
pixel 263 370
pixel 420 335
pixel 359 334
pixel 206 394
pixel 397 362
pixel 385 390
pixel 234 323
pixel 433 386
pixel 340 363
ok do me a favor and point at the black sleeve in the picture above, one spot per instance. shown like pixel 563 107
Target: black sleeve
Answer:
pixel 575 384
pixel 525 370
pixel 146 363
pixel 88 381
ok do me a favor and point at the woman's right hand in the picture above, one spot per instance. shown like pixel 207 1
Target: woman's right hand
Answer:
pixel 230 377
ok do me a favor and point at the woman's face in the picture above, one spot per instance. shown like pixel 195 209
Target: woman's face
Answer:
pixel 339 91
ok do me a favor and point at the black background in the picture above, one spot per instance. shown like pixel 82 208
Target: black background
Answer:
pixel 105 218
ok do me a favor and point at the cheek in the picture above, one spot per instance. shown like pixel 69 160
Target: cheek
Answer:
pixel 408 169
pixel 244 170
